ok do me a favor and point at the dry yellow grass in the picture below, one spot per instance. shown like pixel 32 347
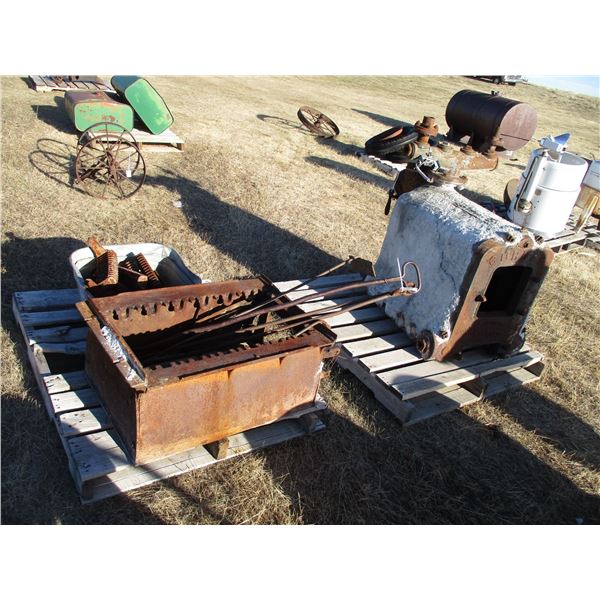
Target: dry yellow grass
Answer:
pixel 259 195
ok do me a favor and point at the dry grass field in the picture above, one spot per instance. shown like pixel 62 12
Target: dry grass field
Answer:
pixel 260 195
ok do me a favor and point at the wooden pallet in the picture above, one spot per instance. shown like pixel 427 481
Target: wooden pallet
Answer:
pixel 379 354
pixel 55 338
pixel 167 141
pixel 85 83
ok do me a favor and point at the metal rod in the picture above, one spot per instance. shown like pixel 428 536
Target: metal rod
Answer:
pixel 280 307
pixel 302 319
pixel 329 311
pixel 299 285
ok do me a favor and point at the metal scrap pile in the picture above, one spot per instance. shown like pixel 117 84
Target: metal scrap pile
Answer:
pixel 193 364
pixel 482 127
pixel 110 277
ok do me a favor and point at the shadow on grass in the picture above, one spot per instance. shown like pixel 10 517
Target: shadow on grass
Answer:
pixel 55 160
pixel 55 116
pixel 386 121
pixel 284 123
pixel 451 469
pixel 250 240
pixel 350 171
pixel 557 426
pixel 339 146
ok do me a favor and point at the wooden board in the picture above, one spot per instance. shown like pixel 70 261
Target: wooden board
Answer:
pixel 386 360
pixel 53 83
pixel 167 141
pixel 94 449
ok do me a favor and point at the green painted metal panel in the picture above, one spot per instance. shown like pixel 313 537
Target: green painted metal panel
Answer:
pixel 88 108
pixel 145 100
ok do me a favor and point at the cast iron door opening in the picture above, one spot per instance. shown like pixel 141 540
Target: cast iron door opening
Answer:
pixel 504 291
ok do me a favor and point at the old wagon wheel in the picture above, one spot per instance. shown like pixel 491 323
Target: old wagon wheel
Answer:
pixel 317 122
pixel 108 163
pixel 105 128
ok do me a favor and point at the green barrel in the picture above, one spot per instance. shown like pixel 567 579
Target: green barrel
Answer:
pixel 88 108
pixel 145 100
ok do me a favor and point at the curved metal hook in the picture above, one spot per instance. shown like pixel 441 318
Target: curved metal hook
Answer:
pixel 402 272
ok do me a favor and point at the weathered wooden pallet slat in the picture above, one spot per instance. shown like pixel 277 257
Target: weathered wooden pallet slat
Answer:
pixel 97 461
pixel 52 317
pixel 52 83
pixel 75 400
pixel 65 382
pixel 321 283
pixel 349 333
pixel 386 360
pixel 46 299
pixel 59 334
pixel 376 345
pixel 63 348
pixel 389 360
pixel 83 421
pixel 330 302
pixel 420 387
pixel 567 242
pixel 167 141
pixel 363 315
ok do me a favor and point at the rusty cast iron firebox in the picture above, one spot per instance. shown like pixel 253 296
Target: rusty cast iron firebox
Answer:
pixel 481 274
pixel 168 389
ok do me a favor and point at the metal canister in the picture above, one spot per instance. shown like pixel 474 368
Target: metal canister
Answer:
pixel 489 119
pixel 88 108
pixel 145 100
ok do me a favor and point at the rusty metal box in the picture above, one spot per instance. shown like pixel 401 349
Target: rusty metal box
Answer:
pixel 169 406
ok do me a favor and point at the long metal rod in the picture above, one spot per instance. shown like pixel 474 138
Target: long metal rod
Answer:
pixel 288 322
pixel 298 286
pixel 280 307
pixel 327 312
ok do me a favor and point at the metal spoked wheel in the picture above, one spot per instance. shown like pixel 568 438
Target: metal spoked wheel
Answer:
pixel 317 122
pixel 109 163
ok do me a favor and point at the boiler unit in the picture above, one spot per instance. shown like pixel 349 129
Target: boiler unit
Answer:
pixel 481 273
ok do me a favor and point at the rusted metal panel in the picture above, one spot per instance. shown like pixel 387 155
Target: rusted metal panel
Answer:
pixel 204 408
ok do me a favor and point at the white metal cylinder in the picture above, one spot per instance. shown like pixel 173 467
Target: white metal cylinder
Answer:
pixel 547 191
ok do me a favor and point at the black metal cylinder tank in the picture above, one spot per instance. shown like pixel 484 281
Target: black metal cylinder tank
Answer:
pixel 482 117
